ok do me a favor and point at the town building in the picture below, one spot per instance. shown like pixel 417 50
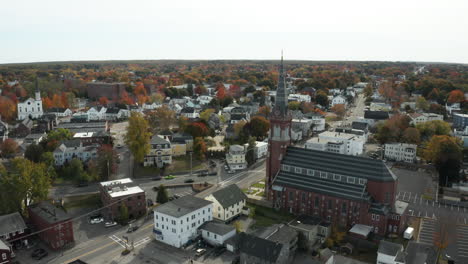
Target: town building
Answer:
pixel 235 158
pixel 47 123
pixel 35 138
pixel 73 148
pixel 339 99
pixel 78 127
pixel 59 111
pixel 415 252
pixel 56 225
pixel 24 128
pixel 96 113
pixel 342 189
pixel 418 118
pixel 32 107
pixel 93 138
pixel 254 249
pixel 460 121
pixel 6 252
pixel 402 152
pixel 115 114
pixel 189 112
pixel 12 227
pixel 285 235
pixel 391 253
pixel 216 234
pixel 181 144
pixel 337 142
pixel 299 98
pixel 160 152
pixel 373 117
pixel 120 192
pixel 313 229
pixel 112 91
pixel 228 202
pixel 176 222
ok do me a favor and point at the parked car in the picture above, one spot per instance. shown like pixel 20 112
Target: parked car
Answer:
pixel 82 184
pixel 231 172
pixel 189 181
pixel 96 220
pixel 39 254
pixel 169 177
pixel 157 178
pixel 200 252
pixel 119 146
pixel 132 229
pixel 176 196
pixel 110 224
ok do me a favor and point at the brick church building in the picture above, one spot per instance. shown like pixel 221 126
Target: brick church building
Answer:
pixel 341 189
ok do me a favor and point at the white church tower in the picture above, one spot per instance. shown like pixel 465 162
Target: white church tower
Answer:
pixel 31 108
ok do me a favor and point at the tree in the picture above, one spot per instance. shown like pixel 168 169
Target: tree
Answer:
pixel 26 183
pixel 123 213
pixel 445 152
pixel 103 100
pixel 205 115
pixel 137 137
pixel 59 134
pixel 264 111
pixel 422 104
pixel 434 127
pixel 197 129
pixel 7 108
pixel 368 91
pixel 221 93
pixel 339 110
pixel 259 127
pixel 9 147
pixel 249 155
pixel 34 152
pixel 456 96
pixel 106 161
pixel 321 98
pixel 76 172
pixel 238 226
pixel 411 135
pixel 238 127
pixel 199 148
pixel 162 118
pixel 162 196
pixel 294 105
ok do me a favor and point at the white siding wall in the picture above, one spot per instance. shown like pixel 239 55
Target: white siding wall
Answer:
pixel 217 240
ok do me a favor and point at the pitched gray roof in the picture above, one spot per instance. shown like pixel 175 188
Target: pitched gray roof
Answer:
pixel 229 195
pixel 11 223
pixel 258 247
pixel 157 140
pixel 420 253
pixel 48 212
pixel 389 248
pixel 217 228
pixel 182 206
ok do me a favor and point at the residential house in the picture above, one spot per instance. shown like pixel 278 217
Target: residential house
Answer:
pixel 216 234
pixel 460 121
pixel 336 142
pixel 313 229
pixel 176 222
pixel 238 114
pixel 417 118
pixel 380 107
pixel 453 108
pixel 160 152
pixel 415 253
pixel 391 253
pixel 6 252
pixel 227 202
pixel 31 108
pixel 299 98
pixel 401 152
pixel 47 123
pixel 235 158
pixel 114 114
pixel 151 106
pixel 93 138
pixel 79 117
pixel 56 225
pixel 60 112
pixel 190 113
pixel 120 192
pixel 304 125
pixel 260 150
pixel 181 143
pixel 35 138
pixel 204 99
pixel 96 113
pixel 85 127
pixel 372 117
pixel 339 99
pixel 250 107
pixel 70 149
pixel 285 235
pixel 12 227
pixel 254 249
pixel 3 130
pixel 24 127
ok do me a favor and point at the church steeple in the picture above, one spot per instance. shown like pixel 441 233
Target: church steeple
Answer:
pixel 281 102
pixel 37 93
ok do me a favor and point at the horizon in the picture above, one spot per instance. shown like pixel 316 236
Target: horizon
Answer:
pixel 416 31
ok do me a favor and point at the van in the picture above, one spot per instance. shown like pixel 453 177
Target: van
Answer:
pixel 408 234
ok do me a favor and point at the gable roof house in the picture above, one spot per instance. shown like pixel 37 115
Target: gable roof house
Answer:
pixel 227 202
pixel 59 111
pixel 254 249
pixel 216 233
pixel 70 149
pixel 189 112
pixel 24 127
pixel 3 130
pixel 12 227
pixel 96 113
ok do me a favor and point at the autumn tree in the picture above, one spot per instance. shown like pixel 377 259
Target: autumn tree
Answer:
pixel 137 137
pixel 368 91
pixel 221 93
pixel 411 135
pixel 9 147
pixel 264 111
pixel 321 98
pixel 238 128
pixel 339 110
pixel 47 103
pixel 422 104
pixel 445 152
pixel 125 98
pixel 294 105
pixel 258 127
pixel 199 148
pixel 162 118
pixel 456 96
pixel 197 129
pixel 205 115
pixel 103 100
pixel 7 109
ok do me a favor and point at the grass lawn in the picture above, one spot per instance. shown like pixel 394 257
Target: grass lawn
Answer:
pixel 259 185
pixel 260 194
pixel 83 201
pixel 264 216
pixel 179 164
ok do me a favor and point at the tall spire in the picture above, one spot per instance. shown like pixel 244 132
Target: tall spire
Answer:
pixel 37 93
pixel 37 85
pixel 281 103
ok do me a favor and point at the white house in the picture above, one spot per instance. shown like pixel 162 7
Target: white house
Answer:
pixel 417 118
pixel 339 99
pixel 401 152
pixel 177 221
pixel 60 112
pixel 260 150
pixel 152 106
pixel 217 233
pixel 299 98
pixel 71 149
pixel 204 99
pixel 160 153
pixel 113 114
pixel 390 253
pixel 227 202
pixel 96 113
pixel 455 107
pixel 189 112
pixel 32 107
pixel 235 158
pixel 343 143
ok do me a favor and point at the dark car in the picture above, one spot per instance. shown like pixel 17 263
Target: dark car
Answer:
pixel 188 181
pixel 132 229
pixel 157 178
pixel 39 254
pixel 82 184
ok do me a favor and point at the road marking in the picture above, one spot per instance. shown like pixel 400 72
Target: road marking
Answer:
pixel 142 241
pixel 419 214
pixel 89 252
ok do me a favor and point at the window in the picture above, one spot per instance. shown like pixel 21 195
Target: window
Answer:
pixel 343 208
pixel 157 225
pixel 336 177
pixel 4 256
pixel 377 217
pixel 208 209
pixel 129 199
pixel 373 216
pixel 330 204
pixel 215 236
pixel 362 181
pixel 355 209
pixel 310 172
pixel 286 167
pixel 162 218
pixel 156 217
pixel 376 229
pixel 291 196
pixel 323 175
pixel 351 179
pixel 317 201
pixel 303 196
pixel 162 226
pixel 181 221
pixel 138 197
pixel 387 197
pixel 298 170
pixel 219 208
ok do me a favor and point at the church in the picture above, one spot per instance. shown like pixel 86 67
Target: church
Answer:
pixel 340 189
pixel 32 107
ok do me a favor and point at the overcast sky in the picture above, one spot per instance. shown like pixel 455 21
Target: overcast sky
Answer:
pixel 397 30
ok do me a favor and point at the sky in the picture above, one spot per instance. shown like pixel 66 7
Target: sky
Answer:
pixel 397 30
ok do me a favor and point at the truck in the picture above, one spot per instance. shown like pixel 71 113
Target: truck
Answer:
pixel 408 234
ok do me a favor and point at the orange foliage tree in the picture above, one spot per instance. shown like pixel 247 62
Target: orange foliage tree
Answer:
pixel 456 96
pixel 46 103
pixel 103 100
pixel 7 108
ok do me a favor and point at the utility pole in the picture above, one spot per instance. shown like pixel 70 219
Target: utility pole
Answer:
pixel 191 164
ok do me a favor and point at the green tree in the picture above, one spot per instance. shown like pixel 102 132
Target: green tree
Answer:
pixel 294 105
pixel 59 134
pixel 433 128
pixel 259 127
pixel 138 137
pixel 199 148
pixel 446 153
pixel 76 171
pixel 422 104
pixel 162 196
pixel 205 115
pixel 321 98
pixel 123 213
pixel 33 152
pixel 249 155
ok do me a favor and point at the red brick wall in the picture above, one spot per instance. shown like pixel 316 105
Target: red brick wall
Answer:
pixel 136 205
pixel 55 236
pixel 378 190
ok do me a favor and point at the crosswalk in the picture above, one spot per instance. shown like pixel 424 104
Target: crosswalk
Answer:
pixel 124 244
pixel 462 241
pixel 427 231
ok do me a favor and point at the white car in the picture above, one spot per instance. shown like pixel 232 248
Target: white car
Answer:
pixel 110 224
pixel 96 220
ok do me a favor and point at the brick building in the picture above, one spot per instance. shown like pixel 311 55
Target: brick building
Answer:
pixel 6 252
pixel 112 91
pixel 341 189
pixel 114 193
pixel 56 223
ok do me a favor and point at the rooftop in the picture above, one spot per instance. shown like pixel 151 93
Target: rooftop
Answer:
pixel 261 248
pixel 182 206
pixel 389 248
pixel 122 187
pixel 229 195
pixel 49 212
pixel 157 140
pixel 11 223
pixel 83 134
pixel 217 228
pixel 363 230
